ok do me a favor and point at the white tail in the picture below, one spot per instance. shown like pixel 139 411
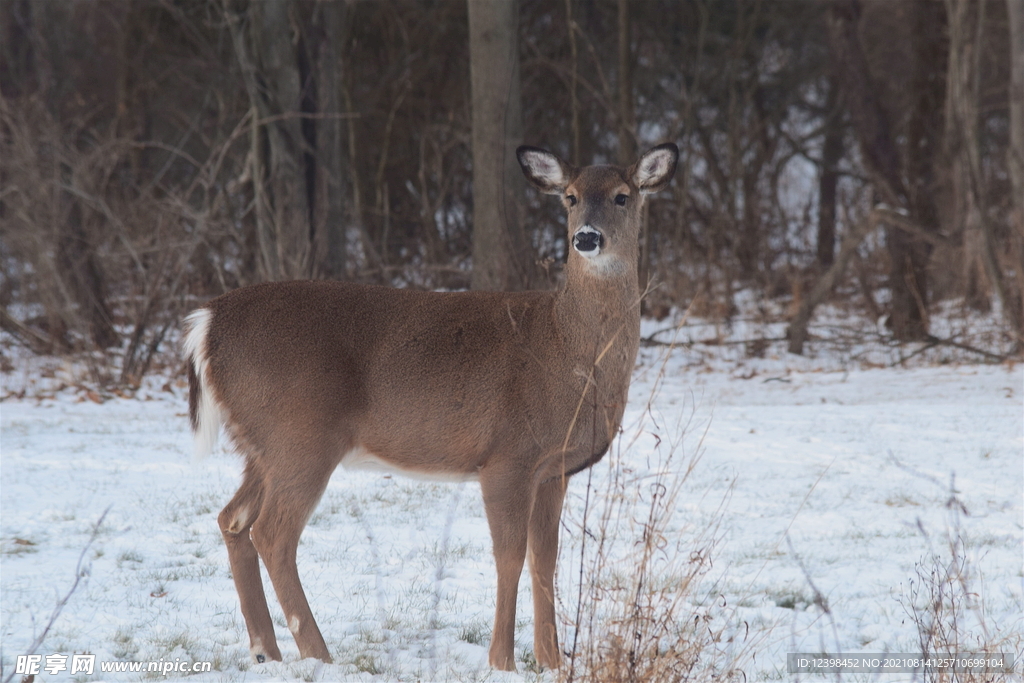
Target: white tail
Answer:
pixel 204 412
pixel 517 390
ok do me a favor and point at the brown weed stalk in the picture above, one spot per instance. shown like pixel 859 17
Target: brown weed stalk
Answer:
pixel 642 613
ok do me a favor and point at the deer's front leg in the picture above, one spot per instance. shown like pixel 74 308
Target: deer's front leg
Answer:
pixel 507 501
pixel 543 545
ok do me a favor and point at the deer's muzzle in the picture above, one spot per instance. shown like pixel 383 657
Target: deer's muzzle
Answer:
pixel 588 241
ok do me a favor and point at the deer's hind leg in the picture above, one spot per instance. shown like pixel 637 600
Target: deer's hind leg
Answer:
pixel 235 522
pixel 291 495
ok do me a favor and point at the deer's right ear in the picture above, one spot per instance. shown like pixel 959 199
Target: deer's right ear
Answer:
pixel 655 168
pixel 547 172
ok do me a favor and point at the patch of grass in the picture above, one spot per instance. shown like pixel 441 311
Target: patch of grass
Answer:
pixel 184 572
pixel 367 663
pixel 19 546
pixel 393 621
pixel 172 642
pixel 790 599
pixel 374 636
pixel 125 646
pixel 436 623
pixel 333 505
pixel 529 662
pixel 901 500
pixel 133 556
pixel 184 510
pixel 475 634
pixel 444 553
pixel 63 517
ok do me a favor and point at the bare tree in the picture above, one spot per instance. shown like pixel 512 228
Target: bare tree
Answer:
pixel 970 194
pixel 627 115
pixel 1015 151
pixel 908 257
pixel 332 190
pixel 828 180
pixel 263 34
pixel 502 256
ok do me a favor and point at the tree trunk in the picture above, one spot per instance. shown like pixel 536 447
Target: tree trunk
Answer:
pixel 627 116
pixel 574 102
pixel 832 152
pixel 908 257
pixel 1015 153
pixel 966 23
pixel 82 275
pixel 502 257
pixel 796 333
pixel 79 268
pixel 262 35
pixel 909 253
pixel 17 51
pixel 867 115
pixel 1015 10
pixel 331 136
pixel 960 144
pixel 627 151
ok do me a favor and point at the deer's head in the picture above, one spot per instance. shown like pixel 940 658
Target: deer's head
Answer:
pixel 603 202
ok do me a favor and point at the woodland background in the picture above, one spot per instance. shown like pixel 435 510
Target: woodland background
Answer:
pixel 155 153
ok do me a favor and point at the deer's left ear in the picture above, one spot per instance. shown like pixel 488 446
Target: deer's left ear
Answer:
pixel 655 168
pixel 546 171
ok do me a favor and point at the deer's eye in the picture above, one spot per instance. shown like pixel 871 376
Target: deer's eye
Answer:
pixel 621 199
pixel 571 199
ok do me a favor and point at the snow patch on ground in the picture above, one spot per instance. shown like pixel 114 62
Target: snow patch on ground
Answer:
pixel 852 462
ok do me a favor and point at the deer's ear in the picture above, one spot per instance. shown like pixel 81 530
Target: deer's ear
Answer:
pixel 655 168
pixel 544 170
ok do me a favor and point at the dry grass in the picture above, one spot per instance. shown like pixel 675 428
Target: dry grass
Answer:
pixel 947 605
pixel 641 613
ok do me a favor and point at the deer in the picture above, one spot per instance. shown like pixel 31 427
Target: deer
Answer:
pixel 516 390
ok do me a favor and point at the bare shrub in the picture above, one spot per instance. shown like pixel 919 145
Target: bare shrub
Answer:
pixel 641 613
pixel 98 263
pixel 947 606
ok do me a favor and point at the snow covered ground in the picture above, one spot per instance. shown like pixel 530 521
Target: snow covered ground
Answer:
pixel 825 470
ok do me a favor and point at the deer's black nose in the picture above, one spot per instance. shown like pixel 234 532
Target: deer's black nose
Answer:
pixel 588 241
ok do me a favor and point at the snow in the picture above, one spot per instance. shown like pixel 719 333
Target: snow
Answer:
pixel 828 470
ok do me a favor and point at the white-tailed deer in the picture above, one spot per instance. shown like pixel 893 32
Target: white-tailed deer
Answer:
pixel 517 390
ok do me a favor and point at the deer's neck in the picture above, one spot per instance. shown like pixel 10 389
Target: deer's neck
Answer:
pixel 599 313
